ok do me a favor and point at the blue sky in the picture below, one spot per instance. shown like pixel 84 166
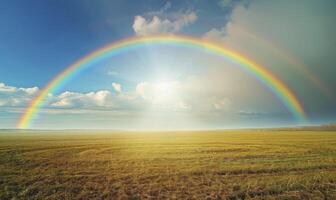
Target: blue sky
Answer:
pixel 39 39
pixel 37 34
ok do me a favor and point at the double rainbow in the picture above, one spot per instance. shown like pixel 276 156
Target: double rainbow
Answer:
pixel 260 73
pixel 290 59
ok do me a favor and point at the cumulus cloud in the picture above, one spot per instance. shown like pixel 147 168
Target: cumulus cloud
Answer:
pixel 10 89
pixel 68 99
pixel 193 94
pixel 217 34
pixel 116 87
pixel 13 96
pixel 96 100
pixel 102 99
pixel 229 8
pixel 196 96
pixel 157 25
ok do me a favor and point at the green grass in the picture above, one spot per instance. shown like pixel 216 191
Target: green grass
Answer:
pixel 175 165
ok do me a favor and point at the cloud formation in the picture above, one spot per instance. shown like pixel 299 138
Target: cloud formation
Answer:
pixel 13 96
pixel 193 94
pixel 68 99
pixel 286 44
pixel 143 26
pixel 116 87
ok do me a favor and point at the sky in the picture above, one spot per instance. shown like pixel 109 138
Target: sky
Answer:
pixel 167 87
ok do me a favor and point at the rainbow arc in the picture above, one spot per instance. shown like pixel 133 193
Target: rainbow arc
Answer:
pixel 283 93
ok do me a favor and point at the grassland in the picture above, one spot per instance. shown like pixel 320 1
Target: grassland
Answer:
pixel 175 165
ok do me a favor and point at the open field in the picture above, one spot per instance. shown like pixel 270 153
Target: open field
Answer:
pixel 175 165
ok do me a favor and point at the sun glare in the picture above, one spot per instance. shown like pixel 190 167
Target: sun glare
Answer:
pixel 165 93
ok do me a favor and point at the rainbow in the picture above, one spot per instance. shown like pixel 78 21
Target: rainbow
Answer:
pixel 260 73
pixel 290 59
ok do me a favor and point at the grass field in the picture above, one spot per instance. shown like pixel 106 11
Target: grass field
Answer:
pixel 174 165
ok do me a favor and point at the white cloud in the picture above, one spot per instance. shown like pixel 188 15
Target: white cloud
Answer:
pixel 116 87
pixel 30 91
pixel 13 96
pixel 5 88
pixel 197 94
pixel 96 100
pixel 217 34
pixel 68 99
pixel 10 89
pixel 157 25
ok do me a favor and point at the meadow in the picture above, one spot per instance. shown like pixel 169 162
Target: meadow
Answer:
pixel 254 164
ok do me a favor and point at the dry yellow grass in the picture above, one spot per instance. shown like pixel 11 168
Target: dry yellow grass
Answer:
pixel 174 165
